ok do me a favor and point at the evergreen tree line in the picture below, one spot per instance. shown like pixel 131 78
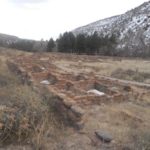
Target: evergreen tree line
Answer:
pixel 67 43
pixel 29 45
pixel 83 44
pixel 22 45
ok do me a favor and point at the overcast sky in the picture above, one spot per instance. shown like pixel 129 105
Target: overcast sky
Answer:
pixel 37 19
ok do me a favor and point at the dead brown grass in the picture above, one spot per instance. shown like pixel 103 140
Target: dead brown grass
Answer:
pixel 138 68
pixel 138 140
pixel 133 75
pixel 26 115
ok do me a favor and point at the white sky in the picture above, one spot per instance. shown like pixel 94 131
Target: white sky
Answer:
pixel 36 19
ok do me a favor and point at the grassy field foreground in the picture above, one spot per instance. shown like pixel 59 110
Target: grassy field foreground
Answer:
pixel 28 120
pixel 26 117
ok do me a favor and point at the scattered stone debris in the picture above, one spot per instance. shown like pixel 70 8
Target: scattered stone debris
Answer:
pixel 75 93
pixel 104 136
pixel 85 101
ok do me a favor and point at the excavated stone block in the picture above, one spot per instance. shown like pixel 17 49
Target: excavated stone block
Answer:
pixel 104 136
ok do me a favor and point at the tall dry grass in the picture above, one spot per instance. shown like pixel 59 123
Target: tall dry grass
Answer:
pixel 27 115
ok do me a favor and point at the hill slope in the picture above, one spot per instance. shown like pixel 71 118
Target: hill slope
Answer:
pixel 22 44
pixel 7 39
pixel 132 30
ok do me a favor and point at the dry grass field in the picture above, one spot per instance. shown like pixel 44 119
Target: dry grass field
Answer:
pixel 29 120
pixel 122 68
pixel 25 115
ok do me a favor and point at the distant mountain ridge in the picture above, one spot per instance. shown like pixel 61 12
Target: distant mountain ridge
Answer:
pixel 132 30
pixel 11 41
pixel 7 39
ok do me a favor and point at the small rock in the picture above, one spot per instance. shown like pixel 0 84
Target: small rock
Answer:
pixel 68 103
pixel 43 68
pixel 79 125
pixel 127 88
pixel 46 82
pixel 77 110
pixel 104 136
pixel 114 89
pixel 96 92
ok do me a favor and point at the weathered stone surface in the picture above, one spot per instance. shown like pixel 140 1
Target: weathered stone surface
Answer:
pixel 77 110
pixel 114 89
pixel 46 82
pixel 96 92
pixel 68 103
pixel 104 136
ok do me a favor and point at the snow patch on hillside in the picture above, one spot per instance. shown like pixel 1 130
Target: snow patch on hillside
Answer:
pixel 132 28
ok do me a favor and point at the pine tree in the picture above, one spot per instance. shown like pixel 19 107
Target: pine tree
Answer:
pixel 66 42
pixel 81 44
pixel 50 45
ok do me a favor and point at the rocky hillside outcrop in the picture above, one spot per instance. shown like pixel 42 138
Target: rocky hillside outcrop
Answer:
pixel 132 30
